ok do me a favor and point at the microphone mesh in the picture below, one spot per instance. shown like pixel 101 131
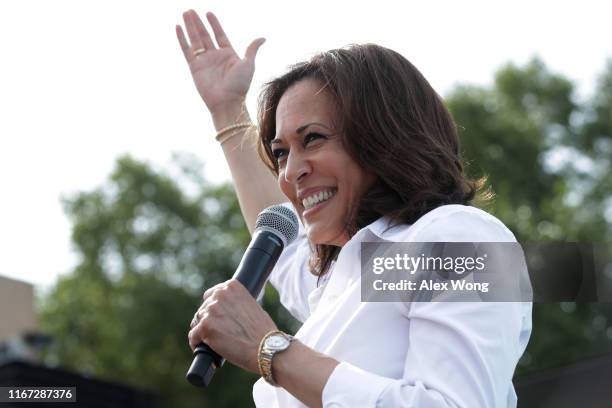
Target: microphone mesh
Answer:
pixel 280 220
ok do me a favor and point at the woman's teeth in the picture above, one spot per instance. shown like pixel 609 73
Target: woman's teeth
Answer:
pixel 315 199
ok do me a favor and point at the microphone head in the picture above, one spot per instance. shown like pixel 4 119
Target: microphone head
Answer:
pixel 279 220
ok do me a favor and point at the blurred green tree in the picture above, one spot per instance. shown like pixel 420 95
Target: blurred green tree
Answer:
pixel 148 245
pixel 547 158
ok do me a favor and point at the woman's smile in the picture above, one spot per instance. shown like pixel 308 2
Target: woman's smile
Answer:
pixel 315 203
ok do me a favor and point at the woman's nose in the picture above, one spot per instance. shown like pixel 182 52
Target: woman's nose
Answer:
pixel 297 168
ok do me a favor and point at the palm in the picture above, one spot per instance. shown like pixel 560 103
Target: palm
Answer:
pixel 220 76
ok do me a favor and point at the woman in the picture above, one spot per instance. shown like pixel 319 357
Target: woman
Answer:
pixel 364 149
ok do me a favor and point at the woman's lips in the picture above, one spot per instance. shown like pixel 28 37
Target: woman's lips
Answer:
pixel 313 210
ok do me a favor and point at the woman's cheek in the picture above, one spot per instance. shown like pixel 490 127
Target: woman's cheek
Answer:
pixel 283 185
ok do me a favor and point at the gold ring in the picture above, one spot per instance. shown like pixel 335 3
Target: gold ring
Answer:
pixel 199 51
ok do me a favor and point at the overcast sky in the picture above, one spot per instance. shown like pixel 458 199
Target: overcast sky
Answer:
pixel 82 82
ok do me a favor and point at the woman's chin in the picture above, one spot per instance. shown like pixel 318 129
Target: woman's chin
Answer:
pixel 318 237
pixel 315 235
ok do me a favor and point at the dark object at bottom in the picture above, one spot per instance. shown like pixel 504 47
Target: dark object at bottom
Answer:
pixel 204 366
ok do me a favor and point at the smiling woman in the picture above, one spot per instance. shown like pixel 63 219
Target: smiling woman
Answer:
pixel 364 150
pixel 314 170
pixel 395 145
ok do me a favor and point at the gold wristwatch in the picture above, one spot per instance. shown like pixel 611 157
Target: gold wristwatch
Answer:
pixel 273 342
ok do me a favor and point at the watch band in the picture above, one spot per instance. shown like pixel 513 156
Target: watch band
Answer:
pixel 265 355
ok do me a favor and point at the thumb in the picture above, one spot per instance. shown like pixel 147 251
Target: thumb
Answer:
pixel 252 49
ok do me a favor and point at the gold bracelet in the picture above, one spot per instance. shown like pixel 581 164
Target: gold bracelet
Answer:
pixel 229 129
pixel 227 137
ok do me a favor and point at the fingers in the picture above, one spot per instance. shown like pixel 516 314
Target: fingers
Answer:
pixel 194 39
pixel 194 339
pixel 198 331
pixel 207 300
pixel 196 334
pixel 201 39
pixel 198 36
pixel 211 306
pixel 252 49
pixel 193 336
pixel 183 42
pixel 201 31
pixel 220 35
pixel 197 317
pixel 210 291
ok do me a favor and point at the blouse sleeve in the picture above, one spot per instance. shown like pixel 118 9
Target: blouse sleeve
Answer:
pixel 460 354
pixel 291 277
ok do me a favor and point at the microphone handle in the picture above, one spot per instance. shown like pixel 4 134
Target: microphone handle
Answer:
pixel 253 271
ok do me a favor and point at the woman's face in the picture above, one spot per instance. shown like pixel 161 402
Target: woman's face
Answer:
pixel 315 171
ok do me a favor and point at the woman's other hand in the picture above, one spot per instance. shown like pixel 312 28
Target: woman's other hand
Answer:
pixel 232 323
pixel 221 77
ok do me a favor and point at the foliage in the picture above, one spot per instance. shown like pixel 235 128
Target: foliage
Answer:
pixel 547 158
pixel 147 251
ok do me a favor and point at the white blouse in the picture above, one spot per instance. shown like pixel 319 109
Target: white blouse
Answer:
pixel 421 354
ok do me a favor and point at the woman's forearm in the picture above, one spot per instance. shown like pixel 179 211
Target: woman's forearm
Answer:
pixel 303 372
pixel 255 185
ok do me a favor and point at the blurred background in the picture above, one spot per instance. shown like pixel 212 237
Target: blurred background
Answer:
pixel 118 209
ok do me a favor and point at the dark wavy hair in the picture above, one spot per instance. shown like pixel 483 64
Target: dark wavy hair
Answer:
pixel 392 123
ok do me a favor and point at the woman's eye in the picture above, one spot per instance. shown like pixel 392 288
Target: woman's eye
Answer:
pixel 312 136
pixel 279 153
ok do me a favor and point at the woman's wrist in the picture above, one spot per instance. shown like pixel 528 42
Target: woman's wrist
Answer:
pixel 303 372
pixel 229 114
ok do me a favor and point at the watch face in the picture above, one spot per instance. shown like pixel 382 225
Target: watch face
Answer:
pixel 277 342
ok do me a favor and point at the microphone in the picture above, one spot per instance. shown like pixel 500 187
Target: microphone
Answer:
pixel 275 228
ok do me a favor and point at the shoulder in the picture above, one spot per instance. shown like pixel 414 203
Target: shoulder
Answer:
pixel 454 223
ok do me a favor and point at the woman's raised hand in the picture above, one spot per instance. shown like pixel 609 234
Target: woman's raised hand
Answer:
pixel 220 75
pixel 223 79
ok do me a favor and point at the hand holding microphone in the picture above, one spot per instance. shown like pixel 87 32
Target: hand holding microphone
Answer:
pixel 231 322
